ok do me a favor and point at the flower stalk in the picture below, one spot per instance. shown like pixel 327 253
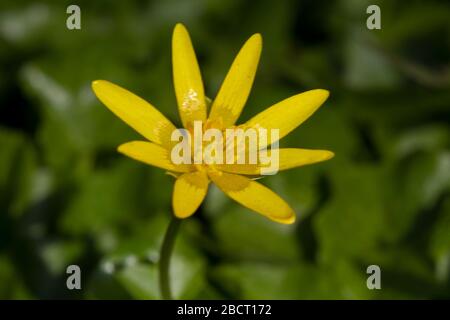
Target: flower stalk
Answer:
pixel 165 255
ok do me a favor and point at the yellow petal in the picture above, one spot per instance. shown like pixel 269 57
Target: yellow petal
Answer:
pixel 254 196
pixel 187 78
pixel 288 158
pixel 134 111
pixel 188 193
pixel 233 94
pixel 248 169
pixel 292 157
pixel 289 113
pixel 152 154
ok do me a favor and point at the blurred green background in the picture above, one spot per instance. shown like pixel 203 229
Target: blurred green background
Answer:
pixel 67 197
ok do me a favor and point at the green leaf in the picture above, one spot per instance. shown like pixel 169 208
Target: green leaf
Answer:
pixel 440 243
pixel 17 172
pixel 353 221
pixel 269 281
pixel 58 255
pixel 13 286
pixel 367 67
pixel 107 198
pixel 141 281
pixel 419 181
pixel 245 235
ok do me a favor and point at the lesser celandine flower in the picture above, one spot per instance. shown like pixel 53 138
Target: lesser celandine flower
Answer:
pixel 193 177
pixel 235 180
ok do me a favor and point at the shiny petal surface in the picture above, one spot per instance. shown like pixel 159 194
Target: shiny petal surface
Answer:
pixel 254 196
pixel 134 111
pixel 288 158
pixel 152 154
pixel 235 89
pixel 188 193
pixel 289 113
pixel 187 78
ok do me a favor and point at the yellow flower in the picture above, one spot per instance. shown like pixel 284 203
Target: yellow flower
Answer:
pixel 235 180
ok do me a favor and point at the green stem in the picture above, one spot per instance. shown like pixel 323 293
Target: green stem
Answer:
pixel 165 253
